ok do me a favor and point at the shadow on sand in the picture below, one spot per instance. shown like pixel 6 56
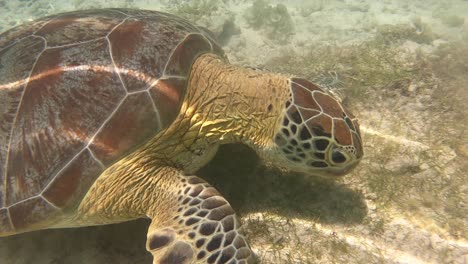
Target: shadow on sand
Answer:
pixel 251 187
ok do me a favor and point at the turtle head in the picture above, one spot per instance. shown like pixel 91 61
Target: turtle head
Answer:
pixel 316 134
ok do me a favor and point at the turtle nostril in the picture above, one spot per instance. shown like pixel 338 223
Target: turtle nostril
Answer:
pixel 338 157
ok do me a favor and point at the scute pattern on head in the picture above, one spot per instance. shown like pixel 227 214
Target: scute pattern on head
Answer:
pixel 80 90
pixel 317 130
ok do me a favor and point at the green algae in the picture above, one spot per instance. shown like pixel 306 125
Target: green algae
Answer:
pixel 275 21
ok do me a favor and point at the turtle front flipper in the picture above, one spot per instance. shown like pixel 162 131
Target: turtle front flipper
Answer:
pixel 191 221
pixel 203 227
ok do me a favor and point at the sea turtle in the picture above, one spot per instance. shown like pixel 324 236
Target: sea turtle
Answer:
pixel 106 114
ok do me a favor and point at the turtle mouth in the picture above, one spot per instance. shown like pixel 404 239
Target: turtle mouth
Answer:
pixel 336 172
pixel 334 163
pixel 329 171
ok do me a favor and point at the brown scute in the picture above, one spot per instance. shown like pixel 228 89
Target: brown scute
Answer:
pixel 70 186
pixel 190 211
pixel 200 242
pixel 186 200
pixel 228 223
pixel 195 180
pixel 213 257
pixel 208 228
pixel 5 226
pixel 243 253
pixel 305 134
pixel 180 253
pixel 31 213
pixel 322 123
pixel 220 213
pixel 215 242
pixel 306 84
pixel 60 111
pixel 191 234
pixel 227 255
pixel 213 202
pixel 131 125
pixel 47 73
pixel 79 26
pixel 196 190
pixel 158 242
pixel 17 34
pixel 185 53
pixel 125 47
pixel 126 38
pixel 202 213
pixel 308 114
pixel 329 105
pixel 342 132
pixel 229 237
pixel 192 221
pixel 209 192
pixel 239 242
pixel 22 55
pixel 201 254
pixel 160 239
pixel 167 96
pixel 303 97
pixel 294 115
pixel 144 45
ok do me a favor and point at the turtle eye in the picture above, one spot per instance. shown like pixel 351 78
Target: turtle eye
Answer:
pixel 338 156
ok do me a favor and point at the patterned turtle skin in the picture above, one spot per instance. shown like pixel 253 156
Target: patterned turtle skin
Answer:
pixel 318 132
pixel 106 114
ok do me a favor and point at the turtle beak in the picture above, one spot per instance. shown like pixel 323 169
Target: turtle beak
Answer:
pixel 339 172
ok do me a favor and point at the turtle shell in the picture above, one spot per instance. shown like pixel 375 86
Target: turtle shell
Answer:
pixel 78 92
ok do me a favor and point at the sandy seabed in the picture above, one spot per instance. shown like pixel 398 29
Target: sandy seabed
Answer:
pixel 401 66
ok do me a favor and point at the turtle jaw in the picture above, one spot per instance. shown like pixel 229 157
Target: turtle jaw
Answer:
pixel 335 172
pixel 276 158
